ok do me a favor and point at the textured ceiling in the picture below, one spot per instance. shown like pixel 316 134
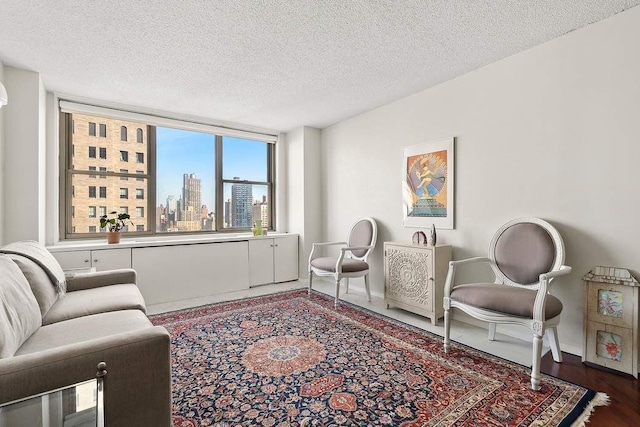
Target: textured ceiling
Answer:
pixel 276 64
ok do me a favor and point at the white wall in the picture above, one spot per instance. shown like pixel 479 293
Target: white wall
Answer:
pixel 552 132
pixel 303 190
pixel 24 157
pixel 2 160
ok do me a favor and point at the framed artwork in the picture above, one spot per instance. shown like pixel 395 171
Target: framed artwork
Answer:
pixel 428 183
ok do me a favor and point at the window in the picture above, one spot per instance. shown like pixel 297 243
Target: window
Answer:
pixel 92 211
pixel 92 229
pixel 186 180
pixel 92 152
pixel 103 130
pixel 73 211
pixel 92 129
pixel 124 209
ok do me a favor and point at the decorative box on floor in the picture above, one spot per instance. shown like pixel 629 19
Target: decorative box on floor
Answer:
pixel 611 319
pixel 414 277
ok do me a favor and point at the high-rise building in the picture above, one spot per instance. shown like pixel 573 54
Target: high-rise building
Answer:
pixel 191 192
pixel 172 205
pixel 241 200
pixel 106 145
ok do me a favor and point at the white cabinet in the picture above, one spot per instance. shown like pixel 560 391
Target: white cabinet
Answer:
pixel 273 260
pixel 414 277
pixel 181 272
pixel 100 259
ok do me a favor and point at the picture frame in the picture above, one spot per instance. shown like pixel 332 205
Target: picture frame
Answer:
pixel 428 178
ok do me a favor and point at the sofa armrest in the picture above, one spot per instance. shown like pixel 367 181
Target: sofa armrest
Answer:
pixel 81 281
pixel 137 384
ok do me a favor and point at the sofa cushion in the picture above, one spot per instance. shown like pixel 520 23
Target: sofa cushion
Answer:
pixel 94 301
pixel 19 311
pixel 38 253
pixel 41 285
pixel 84 328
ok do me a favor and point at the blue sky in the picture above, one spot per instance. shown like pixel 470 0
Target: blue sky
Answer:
pixel 179 152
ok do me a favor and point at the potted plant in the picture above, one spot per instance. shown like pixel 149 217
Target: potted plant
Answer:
pixel 114 223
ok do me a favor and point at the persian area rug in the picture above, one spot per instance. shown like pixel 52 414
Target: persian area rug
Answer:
pixel 293 360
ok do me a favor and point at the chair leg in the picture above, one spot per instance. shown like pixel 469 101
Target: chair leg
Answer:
pixel 310 281
pixel 366 287
pixel 335 303
pixel 492 331
pixel 447 325
pixel 346 285
pixel 554 344
pixel 535 368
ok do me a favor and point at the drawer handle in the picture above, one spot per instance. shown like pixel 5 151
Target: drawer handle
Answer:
pixel 95 260
pixel 431 278
pixel 86 260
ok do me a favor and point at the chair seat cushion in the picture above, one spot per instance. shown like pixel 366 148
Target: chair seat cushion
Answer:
pixel 348 265
pixel 504 299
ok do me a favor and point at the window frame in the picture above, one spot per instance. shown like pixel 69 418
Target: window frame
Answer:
pixel 66 196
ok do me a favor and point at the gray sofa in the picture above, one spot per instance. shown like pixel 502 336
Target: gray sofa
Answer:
pixel 56 328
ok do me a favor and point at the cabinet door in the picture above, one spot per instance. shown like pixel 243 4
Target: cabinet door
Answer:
pixel 111 259
pixel 285 259
pixel 73 259
pixel 261 261
pixel 409 276
pixel 181 272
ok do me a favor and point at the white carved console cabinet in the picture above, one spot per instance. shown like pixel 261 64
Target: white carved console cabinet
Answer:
pixel 414 277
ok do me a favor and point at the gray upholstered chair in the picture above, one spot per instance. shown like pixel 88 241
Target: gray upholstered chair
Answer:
pixel 525 255
pixel 352 260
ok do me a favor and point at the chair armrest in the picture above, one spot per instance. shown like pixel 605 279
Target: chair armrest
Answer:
pixel 328 243
pixel 138 381
pixel 317 245
pixel 545 281
pixel 355 248
pixel 448 284
pixel 564 269
pixel 81 281
pixel 469 261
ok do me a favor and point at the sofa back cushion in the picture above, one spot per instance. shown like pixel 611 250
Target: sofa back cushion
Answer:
pixel 41 256
pixel 19 311
pixel 41 285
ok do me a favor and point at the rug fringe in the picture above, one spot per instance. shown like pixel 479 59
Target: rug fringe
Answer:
pixel 600 399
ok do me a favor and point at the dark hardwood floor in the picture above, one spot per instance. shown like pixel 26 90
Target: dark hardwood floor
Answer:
pixel 623 390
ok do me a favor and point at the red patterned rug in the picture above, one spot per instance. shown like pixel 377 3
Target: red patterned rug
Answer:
pixel 292 360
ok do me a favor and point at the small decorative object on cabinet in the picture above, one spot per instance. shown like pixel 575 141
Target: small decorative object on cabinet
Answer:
pixel 611 319
pixel 434 236
pixel 419 238
pixel 414 277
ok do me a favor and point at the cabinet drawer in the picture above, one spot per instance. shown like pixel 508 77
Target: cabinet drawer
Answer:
pixel 73 259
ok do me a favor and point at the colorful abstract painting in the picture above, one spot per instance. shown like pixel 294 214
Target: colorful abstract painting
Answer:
pixel 428 184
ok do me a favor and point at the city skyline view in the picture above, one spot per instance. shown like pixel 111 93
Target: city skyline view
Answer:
pixel 180 152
